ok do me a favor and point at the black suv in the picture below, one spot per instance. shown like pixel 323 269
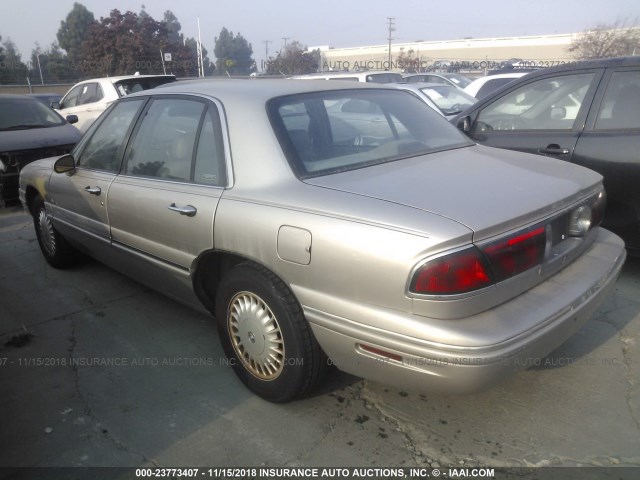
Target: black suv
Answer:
pixel 586 113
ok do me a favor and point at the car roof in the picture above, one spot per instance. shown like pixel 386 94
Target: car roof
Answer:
pixel 421 85
pixel 582 64
pixel 252 89
pixel 123 77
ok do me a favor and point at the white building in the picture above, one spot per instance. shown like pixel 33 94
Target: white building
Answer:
pixel 468 53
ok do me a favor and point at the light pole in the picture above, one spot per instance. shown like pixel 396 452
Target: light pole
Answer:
pixel 40 69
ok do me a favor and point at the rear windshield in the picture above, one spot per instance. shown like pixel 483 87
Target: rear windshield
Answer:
pixel 328 132
pixel 133 85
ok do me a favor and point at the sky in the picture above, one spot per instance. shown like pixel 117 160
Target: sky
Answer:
pixel 338 23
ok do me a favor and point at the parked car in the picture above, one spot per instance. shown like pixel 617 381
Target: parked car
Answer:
pixel 367 76
pixel 483 86
pixel 399 249
pixel 29 131
pixel 587 113
pixel 447 100
pixel 88 99
pixel 454 79
pixel 47 98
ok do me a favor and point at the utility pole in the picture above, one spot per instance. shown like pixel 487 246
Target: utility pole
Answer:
pixel 266 53
pixel 285 42
pixel 392 29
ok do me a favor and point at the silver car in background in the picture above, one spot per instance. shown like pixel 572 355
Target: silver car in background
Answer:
pixel 375 237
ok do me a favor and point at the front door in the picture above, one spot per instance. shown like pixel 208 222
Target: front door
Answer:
pixel 163 204
pixel 545 116
pixel 79 198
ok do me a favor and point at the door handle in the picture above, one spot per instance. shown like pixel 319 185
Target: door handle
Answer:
pixel 93 190
pixel 189 210
pixel 554 149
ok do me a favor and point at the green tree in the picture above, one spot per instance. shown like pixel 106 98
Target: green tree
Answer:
pixel 12 70
pixel 294 59
pixel 124 43
pixel 616 40
pixel 233 54
pixel 53 64
pixel 173 28
pixel 74 31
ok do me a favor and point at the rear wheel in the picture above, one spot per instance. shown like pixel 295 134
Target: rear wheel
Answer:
pixel 265 335
pixel 56 250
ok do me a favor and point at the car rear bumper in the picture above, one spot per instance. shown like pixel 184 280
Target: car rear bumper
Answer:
pixel 556 308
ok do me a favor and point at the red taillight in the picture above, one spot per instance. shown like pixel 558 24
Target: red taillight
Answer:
pixel 458 272
pixel 514 255
pixel 472 269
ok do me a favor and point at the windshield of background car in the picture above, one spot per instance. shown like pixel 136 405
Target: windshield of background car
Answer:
pixel 460 80
pixel 133 85
pixel 450 100
pixel 333 131
pixel 25 113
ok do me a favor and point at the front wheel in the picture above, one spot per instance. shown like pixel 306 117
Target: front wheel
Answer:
pixel 265 335
pixel 56 250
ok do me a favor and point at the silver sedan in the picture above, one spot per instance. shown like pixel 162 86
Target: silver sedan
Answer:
pixel 326 223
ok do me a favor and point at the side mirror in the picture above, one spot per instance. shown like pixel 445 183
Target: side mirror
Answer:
pixel 65 164
pixel 464 124
pixel 72 119
pixel 55 105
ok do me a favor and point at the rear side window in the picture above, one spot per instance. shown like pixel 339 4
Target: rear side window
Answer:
pixel 91 93
pixel 620 107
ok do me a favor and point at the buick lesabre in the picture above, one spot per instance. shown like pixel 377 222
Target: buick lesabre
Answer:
pixel 385 243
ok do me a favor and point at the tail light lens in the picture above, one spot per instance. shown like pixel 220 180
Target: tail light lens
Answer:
pixel 472 269
pixel 516 254
pixel 458 272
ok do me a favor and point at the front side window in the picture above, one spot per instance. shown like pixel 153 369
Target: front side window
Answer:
pixel 104 149
pixel 620 107
pixel 551 103
pixel 328 132
pixel 72 97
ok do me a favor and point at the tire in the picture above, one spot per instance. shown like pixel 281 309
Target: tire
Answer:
pixel 257 314
pixel 56 250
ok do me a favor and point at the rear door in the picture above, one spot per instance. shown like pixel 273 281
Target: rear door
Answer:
pixel 610 145
pixel 546 115
pixel 163 204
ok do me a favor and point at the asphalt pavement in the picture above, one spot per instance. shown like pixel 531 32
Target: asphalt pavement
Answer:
pixel 97 370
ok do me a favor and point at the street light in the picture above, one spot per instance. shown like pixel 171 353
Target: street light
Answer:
pixel 39 68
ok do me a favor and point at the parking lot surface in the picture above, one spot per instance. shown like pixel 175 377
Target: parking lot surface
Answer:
pixel 97 370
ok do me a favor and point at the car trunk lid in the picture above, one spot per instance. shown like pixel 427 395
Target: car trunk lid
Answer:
pixel 488 190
